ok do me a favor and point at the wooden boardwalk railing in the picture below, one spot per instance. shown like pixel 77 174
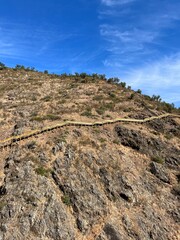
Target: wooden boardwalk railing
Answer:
pixel 9 141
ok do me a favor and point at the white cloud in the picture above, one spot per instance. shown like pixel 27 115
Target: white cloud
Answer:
pixel 136 35
pixel 126 41
pixel 116 2
pixel 20 41
pixel 161 77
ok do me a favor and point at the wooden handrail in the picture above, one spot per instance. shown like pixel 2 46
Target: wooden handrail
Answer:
pixel 10 140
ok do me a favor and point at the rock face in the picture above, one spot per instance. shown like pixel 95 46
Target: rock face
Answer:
pixel 149 145
pixel 66 190
pixel 159 172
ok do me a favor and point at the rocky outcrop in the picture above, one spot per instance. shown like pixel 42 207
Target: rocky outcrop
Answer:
pixel 148 145
pixel 85 195
pixel 159 171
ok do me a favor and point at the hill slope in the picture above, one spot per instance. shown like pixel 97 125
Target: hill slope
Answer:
pixel 117 181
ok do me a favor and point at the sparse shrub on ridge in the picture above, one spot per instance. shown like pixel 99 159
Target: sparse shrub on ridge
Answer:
pixel 123 84
pixel 139 91
pixel 2 66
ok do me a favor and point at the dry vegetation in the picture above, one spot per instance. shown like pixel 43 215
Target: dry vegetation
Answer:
pixel 37 98
pixel 118 181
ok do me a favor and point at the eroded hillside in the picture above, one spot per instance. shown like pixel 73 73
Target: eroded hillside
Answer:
pixel 119 181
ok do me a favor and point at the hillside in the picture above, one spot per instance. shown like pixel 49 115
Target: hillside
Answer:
pixel 115 181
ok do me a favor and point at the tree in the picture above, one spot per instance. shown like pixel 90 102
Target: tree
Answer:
pixel 123 84
pixel 139 91
pixel 156 98
pixel 76 74
pixel 113 80
pixel 18 66
pixel 83 75
pixel 102 76
pixel 2 66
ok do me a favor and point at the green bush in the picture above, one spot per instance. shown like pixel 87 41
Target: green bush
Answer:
pixel 66 200
pixel 2 204
pixel 83 75
pixel 51 117
pixel 113 80
pixel 156 98
pixel 167 107
pixel 42 171
pixel 132 96
pixel 18 66
pixel 112 95
pixel 87 113
pixel 139 91
pixel 157 159
pixel 2 66
pixel 102 140
pixel 123 84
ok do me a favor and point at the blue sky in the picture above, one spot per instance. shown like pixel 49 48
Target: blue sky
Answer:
pixel 135 40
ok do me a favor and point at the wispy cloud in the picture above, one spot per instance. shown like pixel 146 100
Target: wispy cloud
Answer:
pixel 23 42
pixel 139 47
pixel 127 41
pixel 116 2
pixel 159 77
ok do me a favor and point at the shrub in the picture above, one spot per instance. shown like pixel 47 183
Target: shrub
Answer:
pixel 18 66
pixel 156 98
pixel 112 95
pixel 167 106
pixel 42 171
pixel 102 140
pixel 123 84
pixel 63 75
pixel 83 75
pixel 45 117
pixel 101 110
pixel 2 204
pixel 94 76
pixel 157 159
pixel 113 80
pixel 132 96
pixel 66 200
pixel 139 91
pixel 87 113
pixel 45 71
pixel 102 76
pixel 116 141
pixel 2 66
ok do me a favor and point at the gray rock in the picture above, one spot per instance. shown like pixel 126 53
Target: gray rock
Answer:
pixel 58 147
pixel 160 172
pixel 112 233
pixel 43 158
pixel 18 128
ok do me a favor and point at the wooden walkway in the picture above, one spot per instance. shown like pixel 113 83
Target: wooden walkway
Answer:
pixel 9 141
